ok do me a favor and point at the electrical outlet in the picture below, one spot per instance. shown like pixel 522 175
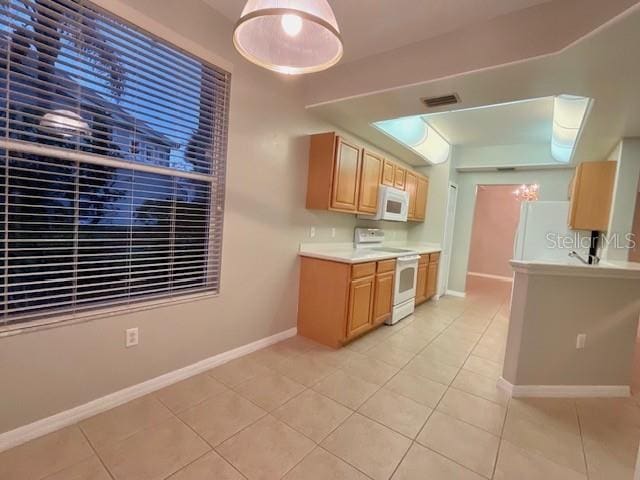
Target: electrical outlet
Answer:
pixel 131 337
pixel 581 341
pixel 333 233
pixel 312 232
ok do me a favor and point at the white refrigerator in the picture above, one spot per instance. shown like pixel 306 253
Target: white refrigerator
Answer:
pixel 543 233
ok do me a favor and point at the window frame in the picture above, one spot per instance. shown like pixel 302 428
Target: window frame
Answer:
pixel 145 26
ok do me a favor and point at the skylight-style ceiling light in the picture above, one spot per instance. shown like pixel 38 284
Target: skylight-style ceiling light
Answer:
pixel 569 112
pixel 417 135
pixel 289 36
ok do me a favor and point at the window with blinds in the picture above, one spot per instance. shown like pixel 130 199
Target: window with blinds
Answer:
pixel 112 163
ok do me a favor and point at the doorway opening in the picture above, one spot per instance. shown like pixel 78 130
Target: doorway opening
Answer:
pixel 495 221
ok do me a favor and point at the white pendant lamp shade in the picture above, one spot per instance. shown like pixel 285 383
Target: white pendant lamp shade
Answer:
pixel 289 36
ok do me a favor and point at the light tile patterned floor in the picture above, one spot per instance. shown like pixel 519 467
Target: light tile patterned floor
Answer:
pixel 414 401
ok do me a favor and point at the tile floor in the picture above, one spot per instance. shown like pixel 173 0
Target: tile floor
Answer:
pixel 413 401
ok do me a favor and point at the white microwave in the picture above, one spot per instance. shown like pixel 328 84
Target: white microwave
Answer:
pixel 393 205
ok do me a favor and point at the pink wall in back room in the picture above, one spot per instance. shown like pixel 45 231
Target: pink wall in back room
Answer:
pixel 495 220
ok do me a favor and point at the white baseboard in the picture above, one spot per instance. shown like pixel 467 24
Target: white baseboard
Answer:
pixel 492 277
pixel 564 391
pixel 455 293
pixel 60 420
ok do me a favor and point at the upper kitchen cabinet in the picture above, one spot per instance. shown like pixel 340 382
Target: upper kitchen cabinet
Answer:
pixel 400 178
pixel 422 193
pixel 417 187
pixel 334 173
pixel 345 177
pixel 591 193
pixel 388 173
pixel 411 187
pixel 372 169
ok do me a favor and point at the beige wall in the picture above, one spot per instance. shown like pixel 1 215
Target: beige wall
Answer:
pixel 495 220
pixel 45 372
pixel 547 314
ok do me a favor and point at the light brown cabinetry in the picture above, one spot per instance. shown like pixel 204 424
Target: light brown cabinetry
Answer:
pixel 372 166
pixel 360 305
pixel 417 187
pixel 591 196
pixel 422 194
pixel 338 301
pixel 344 177
pixel 399 177
pixel 383 303
pixel 334 173
pixel 411 187
pixel 388 173
pixel 432 275
pixel 427 281
pixel 421 281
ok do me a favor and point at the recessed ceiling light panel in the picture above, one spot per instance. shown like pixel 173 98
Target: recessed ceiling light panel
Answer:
pixel 415 134
pixel 569 114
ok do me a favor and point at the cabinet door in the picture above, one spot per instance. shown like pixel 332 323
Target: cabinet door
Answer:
pixel 411 187
pixel 399 178
pixel 388 173
pixel 383 302
pixel 370 182
pixel 421 283
pixel 360 305
pixel 591 196
pixel 346 176
pixel 422 192
pixel 432 279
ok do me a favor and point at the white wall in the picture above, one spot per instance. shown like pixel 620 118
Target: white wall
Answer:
pixel 504 155
pixel 47 371
pixel 627 154
pixel 432 229
pixel 554 185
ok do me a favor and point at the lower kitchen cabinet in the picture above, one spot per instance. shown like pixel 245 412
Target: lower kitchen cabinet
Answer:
pixel 383 298
pixel 427 281
pixel 339 301
pixel 432 276
pixel 361 295
pixel 421 281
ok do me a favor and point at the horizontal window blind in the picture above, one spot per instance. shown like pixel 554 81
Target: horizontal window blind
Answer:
pixel 112 163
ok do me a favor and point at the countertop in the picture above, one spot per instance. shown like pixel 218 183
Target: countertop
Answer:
pixel 347 253
pixel 575 268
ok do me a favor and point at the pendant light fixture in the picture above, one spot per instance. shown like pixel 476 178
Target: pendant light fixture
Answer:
pixel 289 36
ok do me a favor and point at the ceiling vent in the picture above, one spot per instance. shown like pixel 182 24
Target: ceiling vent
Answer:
pixel 434 102
pixel 505 169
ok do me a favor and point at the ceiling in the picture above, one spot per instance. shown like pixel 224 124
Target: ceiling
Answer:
pixel 597 66
pixel 370 27
pixel 506 124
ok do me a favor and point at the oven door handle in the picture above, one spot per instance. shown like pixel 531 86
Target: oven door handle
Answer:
pixel 412 258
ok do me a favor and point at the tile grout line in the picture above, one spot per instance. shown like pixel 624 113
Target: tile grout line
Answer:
pixel 95 452
pixel 584 452
pixel 211 448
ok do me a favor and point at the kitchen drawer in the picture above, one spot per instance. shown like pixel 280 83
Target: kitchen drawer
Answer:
pixel 363 270
pixel 423 259
pixel 434 257
pixel 386 266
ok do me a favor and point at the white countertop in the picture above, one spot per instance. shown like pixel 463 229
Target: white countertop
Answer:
pixel 347 253
pixel 575 268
